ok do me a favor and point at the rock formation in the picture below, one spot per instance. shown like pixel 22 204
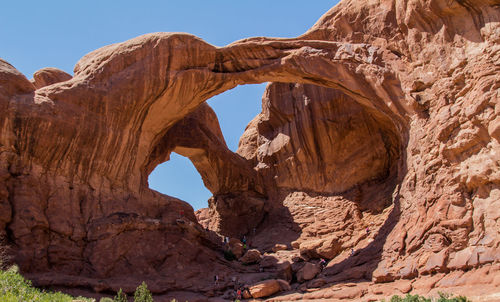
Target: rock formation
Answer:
pixel 48 76
pixel 377 148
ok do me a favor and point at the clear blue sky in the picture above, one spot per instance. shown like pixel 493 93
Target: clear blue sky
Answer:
pixel 37 34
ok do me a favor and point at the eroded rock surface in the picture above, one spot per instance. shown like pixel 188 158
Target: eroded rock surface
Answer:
pixel 48 76
pixel 377 148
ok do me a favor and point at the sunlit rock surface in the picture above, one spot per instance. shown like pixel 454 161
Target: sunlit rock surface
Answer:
pixel 377 148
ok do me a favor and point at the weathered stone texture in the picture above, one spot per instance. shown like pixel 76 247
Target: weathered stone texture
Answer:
pixel 377 148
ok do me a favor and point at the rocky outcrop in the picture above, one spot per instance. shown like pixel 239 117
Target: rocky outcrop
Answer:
pixel 376 148
pixel 322 133
pixel 434 207
pixel 48 76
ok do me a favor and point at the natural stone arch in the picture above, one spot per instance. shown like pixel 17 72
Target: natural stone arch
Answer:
pixel 149 83
pixel 145 86
pixel 199 138
pixel 113 115
pixel 74 155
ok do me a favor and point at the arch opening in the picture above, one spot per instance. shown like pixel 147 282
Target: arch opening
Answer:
pixel 179 178
pixel 191 170
pixel 235 109
pixel 299 130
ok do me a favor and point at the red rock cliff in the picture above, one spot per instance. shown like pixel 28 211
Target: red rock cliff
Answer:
pixel 385 114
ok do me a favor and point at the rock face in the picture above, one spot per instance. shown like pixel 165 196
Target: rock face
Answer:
pixel 320 132
pixel 377 148
pixel 48 76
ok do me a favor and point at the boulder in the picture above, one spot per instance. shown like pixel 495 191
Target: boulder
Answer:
pixel 321 248
pixel 284 271
pixel 266 288
pixel 236 247
pixel 251 256
pixel 308 272
pixel 279 247
pixel 268 261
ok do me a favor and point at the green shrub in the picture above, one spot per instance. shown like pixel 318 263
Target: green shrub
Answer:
pixel 106 299
pixel 443 297
pixel 120 296
pixel 14 288
pixel 142 293
pixel 410 298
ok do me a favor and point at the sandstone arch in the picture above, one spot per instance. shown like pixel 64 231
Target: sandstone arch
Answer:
pixel 75 155
pixel 126 99
pixel 178 72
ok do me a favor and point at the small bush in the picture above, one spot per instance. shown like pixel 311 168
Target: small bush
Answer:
pixel 106 299
pixel 443 297
pixel 120 296
pixel 410 298
pixel 14 288
pixel 142 293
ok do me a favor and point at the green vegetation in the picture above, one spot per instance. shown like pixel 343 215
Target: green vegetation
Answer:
pixel 120 296
pixel 14 288
pixel 443 297
pixel 142 293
